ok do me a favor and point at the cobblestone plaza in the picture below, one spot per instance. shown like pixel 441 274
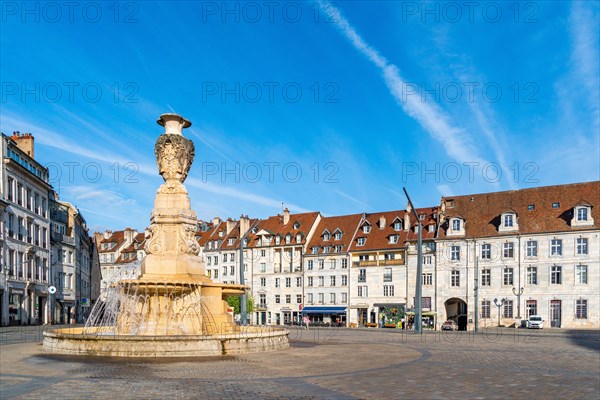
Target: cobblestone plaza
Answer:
pixel 324 363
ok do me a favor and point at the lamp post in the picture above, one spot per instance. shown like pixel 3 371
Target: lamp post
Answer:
pixel 499 305
pixel 518 293
pixel 418 287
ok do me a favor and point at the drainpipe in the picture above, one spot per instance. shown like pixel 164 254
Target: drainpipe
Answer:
pixel 476 288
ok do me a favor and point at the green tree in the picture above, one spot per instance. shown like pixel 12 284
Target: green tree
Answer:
pixel 234 301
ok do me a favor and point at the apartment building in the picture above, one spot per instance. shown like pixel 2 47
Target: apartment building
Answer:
pixel 25 271
pixel 327 270
pixel 275 258
pixel 519 253
pixel 378 269
pixel 120 254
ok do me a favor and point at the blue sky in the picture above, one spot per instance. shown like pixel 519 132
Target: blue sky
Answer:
pixel 317 106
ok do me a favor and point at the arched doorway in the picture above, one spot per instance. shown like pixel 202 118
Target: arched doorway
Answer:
pixel 456 310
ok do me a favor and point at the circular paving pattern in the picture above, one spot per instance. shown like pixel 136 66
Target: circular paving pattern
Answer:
pixel 326 363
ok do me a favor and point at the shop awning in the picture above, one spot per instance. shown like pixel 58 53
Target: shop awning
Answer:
pixel 324 310
pixel 424 313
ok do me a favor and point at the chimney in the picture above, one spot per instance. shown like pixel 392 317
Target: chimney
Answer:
pixel 382 222
pixel 24 142
pixel 407 219
pixel 216 221
pixel 244 224
pixel 107 234
pixel 129 234
pixel 286 216
pixel 230 225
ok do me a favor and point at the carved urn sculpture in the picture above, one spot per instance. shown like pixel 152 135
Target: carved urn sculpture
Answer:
pixel 172 249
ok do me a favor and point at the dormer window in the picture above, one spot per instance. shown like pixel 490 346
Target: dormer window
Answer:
pixel 397 226
pixel 230 241
pixel 421 217
pixel 508 222
pixel 431 228
pixel 326 236
pixel 582 215
pixel 366 228
pixel 277 240
pixel 361 241
pixel 298 238
pixel 326 249
pixel 393 239
pixel 288 239
pixel 315 250
pixel 338 236
pixel 457 226
pixel 296 225
pixel 338 249
pixel 221 234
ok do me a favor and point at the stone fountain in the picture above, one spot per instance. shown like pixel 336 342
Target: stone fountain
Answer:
pixel 172 309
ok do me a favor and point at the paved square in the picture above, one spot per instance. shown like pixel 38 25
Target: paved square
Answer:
pixel 325 363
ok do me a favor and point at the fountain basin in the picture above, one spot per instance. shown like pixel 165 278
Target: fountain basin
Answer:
pixel 82 341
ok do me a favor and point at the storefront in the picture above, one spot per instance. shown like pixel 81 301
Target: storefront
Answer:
pixel 16 312
pixel 326 315
pixel 391 314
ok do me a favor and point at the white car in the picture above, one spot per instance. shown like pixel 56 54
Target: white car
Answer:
pixel 535 322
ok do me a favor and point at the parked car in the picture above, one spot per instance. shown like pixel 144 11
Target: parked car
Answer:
pixel 449 326
pixel 535 322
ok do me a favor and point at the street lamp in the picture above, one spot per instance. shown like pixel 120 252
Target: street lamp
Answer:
pixel 418 287
pixel 518 293
pixel 499 305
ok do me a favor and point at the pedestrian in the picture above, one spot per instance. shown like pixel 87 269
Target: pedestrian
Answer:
pixel 306 322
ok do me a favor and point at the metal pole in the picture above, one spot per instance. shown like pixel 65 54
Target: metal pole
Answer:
pixel 243 310
pixel 418 288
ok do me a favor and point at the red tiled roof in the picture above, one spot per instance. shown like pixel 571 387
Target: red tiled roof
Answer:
pixel 347 224
pixel 482 212
pixel 429 219
pixel 274 225
pixel 378 237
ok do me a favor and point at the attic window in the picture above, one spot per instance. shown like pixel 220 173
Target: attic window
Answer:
pixel 315 250
pixel 367 228
pixel 431 228
pixel 338 236
pixel 422 217
pixel 221 234
pixel 326 236
pixel 582 214
pixel 360 241
pixel 230 241
pixel 531 207
pixel 254 230
pixel 508 220
pixel 288 239
pixel 298 238
pixel 393 239
pixel 277 240
pixel 556 205
pixel 296 225
pixel 397 226
pixel 450 203
pixel 456 224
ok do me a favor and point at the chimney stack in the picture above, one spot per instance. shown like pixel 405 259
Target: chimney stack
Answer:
pixel 216 221
pixel 244 224
pixel 382 222
pixel 407 219
pixel 25 142
pixel 230 225
pixel 286 216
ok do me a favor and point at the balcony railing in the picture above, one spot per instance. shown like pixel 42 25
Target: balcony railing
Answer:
pixel 397 261
pixel 362 278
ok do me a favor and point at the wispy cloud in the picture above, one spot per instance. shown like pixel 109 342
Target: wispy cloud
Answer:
pixel 53 139
pixel 455 140
pixel 354 199
pixel 585 37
